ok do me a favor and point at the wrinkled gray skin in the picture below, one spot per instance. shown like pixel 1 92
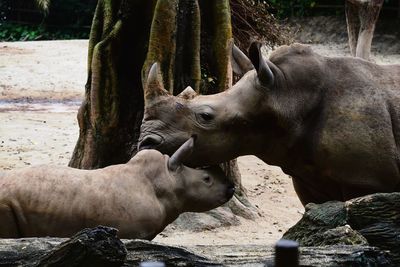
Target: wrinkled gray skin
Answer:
pixel 332 123
pixel 140 198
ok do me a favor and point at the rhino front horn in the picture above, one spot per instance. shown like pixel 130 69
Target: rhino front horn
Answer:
pixel 181 154
pixel 264 72
pixel 154 86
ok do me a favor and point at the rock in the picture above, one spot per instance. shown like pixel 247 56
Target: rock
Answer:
pixel 197 222
pixel 324 225
pixel 372 220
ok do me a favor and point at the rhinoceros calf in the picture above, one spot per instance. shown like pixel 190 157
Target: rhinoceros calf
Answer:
pixel 332 123
pixel 140 198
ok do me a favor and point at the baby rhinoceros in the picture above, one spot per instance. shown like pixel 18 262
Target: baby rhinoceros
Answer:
pixel 139 198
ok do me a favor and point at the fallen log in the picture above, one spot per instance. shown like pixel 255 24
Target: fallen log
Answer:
pixel 372 220
pixel 97 247
pixel 100 247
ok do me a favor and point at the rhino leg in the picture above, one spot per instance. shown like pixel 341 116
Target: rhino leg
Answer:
pixel 8 222
pixel 310 191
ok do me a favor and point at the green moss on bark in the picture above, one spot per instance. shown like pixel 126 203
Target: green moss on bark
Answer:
pixel 221 43
pixel 110 116
pixel 162 42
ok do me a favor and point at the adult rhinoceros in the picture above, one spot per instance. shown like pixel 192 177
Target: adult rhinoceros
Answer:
pixel 332 123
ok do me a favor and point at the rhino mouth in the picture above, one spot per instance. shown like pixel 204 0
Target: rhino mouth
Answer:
pixel 151 141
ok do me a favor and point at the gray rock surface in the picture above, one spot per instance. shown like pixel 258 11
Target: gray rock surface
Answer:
pixel 372 220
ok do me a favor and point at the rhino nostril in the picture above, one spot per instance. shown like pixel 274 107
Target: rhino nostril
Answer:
pixel 150 142
pixel 230 191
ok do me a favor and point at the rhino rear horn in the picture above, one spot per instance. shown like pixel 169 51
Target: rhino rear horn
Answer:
pixel 264 72
pixel 154 85
pixel 181 154
pixel 188 93
pixel 240 62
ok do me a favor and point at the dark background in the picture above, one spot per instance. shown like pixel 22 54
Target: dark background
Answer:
pixel 71 19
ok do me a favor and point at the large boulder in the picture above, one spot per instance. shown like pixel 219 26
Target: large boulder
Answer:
pixel 372 220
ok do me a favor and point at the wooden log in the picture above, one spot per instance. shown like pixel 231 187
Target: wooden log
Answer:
pixel 90 247
pixel 263 255
pixel 100 247
pixel 97 247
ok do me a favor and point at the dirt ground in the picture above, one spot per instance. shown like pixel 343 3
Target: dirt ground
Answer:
pixel 41 86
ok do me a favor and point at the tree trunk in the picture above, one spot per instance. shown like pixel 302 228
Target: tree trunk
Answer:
pixel 110 116
pixel 190 39
pixel 128 35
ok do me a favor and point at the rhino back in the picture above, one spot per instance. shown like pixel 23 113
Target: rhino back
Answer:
pixel 350 129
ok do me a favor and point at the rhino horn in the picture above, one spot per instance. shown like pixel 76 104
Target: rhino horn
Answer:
pixel 182 153
pixel 240 62
pixel 154 86
pixel 264 72
pixel 188 93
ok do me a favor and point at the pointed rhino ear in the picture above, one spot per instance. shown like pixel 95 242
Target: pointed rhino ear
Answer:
pixel 188 93
pixel 154 85
pixel 181 154
pixel 240 62
pixel 264 73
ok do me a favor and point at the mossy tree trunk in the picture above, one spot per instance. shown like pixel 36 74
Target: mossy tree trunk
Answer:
pixel 190 39
pixel 110 116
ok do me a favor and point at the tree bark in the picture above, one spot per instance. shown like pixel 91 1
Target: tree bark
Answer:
pixel 110 116
pixel 97 247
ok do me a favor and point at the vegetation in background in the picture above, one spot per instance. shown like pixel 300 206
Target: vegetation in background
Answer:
pixel 71 19
pixel 45 19
pixel 289 8
pixel 18 32
pixel 253 20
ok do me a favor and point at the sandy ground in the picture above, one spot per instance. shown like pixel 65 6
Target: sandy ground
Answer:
pixel 41 86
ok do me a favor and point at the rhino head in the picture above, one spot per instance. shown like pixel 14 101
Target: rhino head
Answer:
pixel 203 188
pixel 248 118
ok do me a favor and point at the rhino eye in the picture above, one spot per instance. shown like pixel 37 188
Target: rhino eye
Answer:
pixel 207 179
pixel 206 116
